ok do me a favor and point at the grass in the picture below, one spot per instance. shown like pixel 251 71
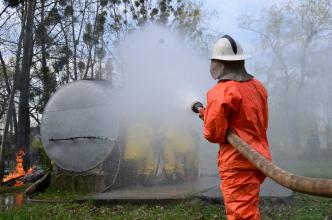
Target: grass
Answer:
pixel 319 168
pixel 52 193
pixel 188 210
pixel 303 207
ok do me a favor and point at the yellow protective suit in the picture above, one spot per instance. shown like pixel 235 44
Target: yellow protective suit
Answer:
pixel 139 149
pixel 180 151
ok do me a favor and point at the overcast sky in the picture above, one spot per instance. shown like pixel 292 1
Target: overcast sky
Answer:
pixel 229 12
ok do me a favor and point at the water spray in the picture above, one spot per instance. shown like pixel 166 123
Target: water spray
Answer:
pixel 312 186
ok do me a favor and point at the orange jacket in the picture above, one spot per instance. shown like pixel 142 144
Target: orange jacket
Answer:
pixel 241 107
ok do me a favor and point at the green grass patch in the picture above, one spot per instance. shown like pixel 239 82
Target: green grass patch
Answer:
pixel 53 193
pixel 187 210
pixel 303 207
pixel 319 168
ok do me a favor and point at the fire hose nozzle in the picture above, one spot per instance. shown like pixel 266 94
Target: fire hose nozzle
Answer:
pixel 196 106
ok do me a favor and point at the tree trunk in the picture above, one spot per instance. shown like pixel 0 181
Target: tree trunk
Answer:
pixel 74 42
pixel 11 112
pixel 23 140
pixel 47 78
pixel 68 75
pixel 91 45
pixel 4 141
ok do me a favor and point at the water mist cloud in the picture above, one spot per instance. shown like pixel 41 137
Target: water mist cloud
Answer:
pixel 161 74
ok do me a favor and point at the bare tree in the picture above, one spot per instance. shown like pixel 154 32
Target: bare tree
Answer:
pixel 23 131
pixel 290 37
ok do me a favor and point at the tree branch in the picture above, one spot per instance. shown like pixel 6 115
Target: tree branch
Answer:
pixel 4 70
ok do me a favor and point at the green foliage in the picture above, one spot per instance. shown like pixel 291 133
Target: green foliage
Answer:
pixel 88 36
pixel 53 17
pixel 103 3
pixel 115 1
pixel 59 64
pixel 154 12
pixel 65 51
pixel 69 10
pixel 100 53
pixel 185 16
pixel 165 8
pixel 44 161
pixel 100 23
pixel 41 36
pixel 63 2
pixel 14 3
pixel 81 66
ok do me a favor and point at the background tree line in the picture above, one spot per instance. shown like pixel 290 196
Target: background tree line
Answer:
pixel 294 42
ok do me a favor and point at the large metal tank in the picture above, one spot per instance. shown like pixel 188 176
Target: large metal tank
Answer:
pixel 80 125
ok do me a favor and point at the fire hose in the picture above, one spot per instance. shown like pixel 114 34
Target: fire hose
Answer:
pixel 307 185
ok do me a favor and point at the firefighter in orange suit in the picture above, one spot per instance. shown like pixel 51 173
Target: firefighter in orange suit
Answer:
pixel 238 102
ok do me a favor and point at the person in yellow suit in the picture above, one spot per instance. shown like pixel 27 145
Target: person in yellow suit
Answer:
pixel 139 153
pixel 179 152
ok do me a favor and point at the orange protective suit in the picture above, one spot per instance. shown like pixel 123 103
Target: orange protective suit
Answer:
pixel 241 107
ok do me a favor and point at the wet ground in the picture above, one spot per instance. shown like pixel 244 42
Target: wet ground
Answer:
pixel 11 200
pixel 206 188
pixel 270 191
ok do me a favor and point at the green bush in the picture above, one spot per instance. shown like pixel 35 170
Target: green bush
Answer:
pixel 44 160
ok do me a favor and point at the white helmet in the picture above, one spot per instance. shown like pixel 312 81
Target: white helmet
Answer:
pixel 226 48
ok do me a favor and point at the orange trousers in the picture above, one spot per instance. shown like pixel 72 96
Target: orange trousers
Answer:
pixel 241 193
